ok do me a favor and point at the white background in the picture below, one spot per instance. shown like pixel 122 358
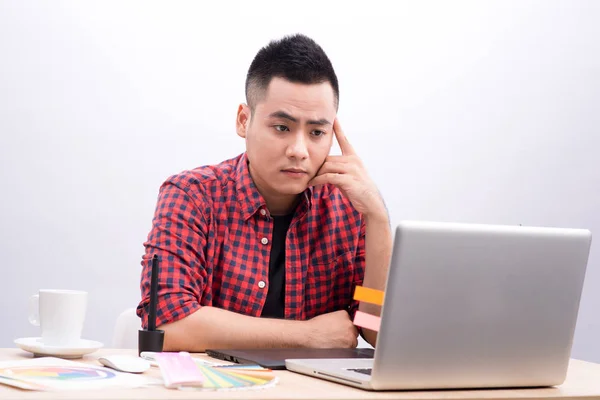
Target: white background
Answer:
pixel 462 111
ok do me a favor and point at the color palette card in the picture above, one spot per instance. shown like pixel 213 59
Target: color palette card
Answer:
pixel 181 371
pixel 50 373
pixel 236 377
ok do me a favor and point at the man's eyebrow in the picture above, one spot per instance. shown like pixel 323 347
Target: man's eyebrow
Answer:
pixel 321 121
pixel 284 115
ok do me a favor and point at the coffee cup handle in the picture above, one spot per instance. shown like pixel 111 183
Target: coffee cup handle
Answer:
pixel 34 310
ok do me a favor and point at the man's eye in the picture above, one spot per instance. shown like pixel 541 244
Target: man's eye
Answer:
pixel 317 133
pixel 281 128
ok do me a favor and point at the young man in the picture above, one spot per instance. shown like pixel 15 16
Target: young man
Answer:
pixel 265 249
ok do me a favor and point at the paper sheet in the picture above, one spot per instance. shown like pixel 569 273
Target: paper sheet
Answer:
pixel 50 373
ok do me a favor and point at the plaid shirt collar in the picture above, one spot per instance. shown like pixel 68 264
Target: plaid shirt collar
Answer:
pixel 251 201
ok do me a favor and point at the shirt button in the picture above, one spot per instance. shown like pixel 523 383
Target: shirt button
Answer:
pixel 263 212
pixel 264 240
pixel 262 284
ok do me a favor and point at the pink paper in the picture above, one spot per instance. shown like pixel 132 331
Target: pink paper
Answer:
pixel 179 369
pixel 368 321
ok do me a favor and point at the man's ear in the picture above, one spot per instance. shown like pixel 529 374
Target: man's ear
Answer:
pixel 243 120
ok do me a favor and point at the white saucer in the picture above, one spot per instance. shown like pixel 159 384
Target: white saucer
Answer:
pixel 36 346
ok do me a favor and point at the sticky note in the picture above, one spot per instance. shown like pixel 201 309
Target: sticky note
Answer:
pixel 368 295
pixel 368 321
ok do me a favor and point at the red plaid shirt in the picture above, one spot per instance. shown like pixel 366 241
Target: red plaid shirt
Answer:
pixel 212 232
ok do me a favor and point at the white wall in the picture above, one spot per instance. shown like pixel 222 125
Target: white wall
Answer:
pixel 462 111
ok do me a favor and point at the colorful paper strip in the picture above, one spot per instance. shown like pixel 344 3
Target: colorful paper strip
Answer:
pixel 368 295
pixel 368 321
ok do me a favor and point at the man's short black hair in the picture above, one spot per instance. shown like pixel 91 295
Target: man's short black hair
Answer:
pixel 296 58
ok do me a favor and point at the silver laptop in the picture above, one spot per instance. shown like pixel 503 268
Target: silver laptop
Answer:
pixel 471 306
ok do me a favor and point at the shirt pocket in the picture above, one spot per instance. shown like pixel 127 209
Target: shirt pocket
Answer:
pixel 329 283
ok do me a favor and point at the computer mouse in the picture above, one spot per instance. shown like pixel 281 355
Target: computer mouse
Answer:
pixel 125 363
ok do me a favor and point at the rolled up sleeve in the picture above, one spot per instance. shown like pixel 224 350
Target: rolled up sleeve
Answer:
pixel 178 238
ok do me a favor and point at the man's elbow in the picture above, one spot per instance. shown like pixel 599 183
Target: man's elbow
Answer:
pixel 181 335
pixel 175 338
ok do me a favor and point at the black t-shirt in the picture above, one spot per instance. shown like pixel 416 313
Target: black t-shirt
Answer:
pixel 275 296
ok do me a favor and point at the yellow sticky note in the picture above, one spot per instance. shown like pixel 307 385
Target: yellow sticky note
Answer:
pixel 372 296
pixel 368 321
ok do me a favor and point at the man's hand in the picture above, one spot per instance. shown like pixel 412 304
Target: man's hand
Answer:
pixel 332 330
pixel 348 173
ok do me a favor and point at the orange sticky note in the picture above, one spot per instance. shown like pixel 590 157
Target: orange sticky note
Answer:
pixel 368 321
pixel 368 295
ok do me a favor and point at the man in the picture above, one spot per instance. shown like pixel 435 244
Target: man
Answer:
pixel 265 249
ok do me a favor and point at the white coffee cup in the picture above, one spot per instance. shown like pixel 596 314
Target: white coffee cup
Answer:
pixel 60 314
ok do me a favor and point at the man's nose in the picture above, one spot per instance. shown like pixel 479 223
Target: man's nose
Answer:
pixel 297 147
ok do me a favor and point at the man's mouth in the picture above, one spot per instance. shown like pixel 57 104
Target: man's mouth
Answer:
pixel 294 172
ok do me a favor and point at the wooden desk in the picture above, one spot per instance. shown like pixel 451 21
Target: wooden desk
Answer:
pixel 583 382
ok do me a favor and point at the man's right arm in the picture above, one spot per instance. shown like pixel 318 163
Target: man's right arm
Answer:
pixel 215 328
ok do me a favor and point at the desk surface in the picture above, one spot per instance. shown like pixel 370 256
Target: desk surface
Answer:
pixel 583 382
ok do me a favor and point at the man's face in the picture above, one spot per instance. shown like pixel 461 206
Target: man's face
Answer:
pixel 289 135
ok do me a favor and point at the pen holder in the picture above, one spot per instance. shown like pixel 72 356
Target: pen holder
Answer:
pixel 150 341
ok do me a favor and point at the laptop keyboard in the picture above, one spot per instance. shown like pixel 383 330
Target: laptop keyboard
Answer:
pixel 366 371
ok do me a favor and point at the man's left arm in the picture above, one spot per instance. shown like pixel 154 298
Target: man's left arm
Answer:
pixel 378 249
pixel 349 174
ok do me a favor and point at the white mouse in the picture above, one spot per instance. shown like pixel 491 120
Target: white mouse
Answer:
pixel 125 363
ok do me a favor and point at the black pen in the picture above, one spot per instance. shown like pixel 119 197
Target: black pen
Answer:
pixel 153 294
pixel 151 339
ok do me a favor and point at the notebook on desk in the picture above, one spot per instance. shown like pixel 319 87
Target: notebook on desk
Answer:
pixel 275 358
pixel 471 306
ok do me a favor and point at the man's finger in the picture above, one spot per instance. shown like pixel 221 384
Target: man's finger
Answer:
pixel 340 159
pixel 330 177
pixel 343 141
pixel 334 166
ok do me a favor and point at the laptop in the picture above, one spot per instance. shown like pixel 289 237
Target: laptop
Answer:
pixel 471 306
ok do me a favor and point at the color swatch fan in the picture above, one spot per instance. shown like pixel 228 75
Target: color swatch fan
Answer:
pixel 180 371
pixel 236 377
